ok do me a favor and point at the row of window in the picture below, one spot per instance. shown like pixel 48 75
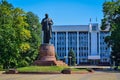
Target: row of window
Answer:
pixel 80 33
pixel 81 47
pixel 61 39
pixel 72 43
pixel 61 54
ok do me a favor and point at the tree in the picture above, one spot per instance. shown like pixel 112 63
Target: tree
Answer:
pixel 71 58
pixel 35 29
pixel 7 35
pixel 111 10
pixel 18 41
pixel 13 35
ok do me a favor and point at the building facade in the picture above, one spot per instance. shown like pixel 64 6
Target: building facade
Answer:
pixel 87 42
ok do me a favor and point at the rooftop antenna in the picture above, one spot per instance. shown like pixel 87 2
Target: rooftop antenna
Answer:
pixel 90 20
pixel 96 19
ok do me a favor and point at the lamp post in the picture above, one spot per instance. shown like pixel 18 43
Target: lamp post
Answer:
pixel 70 60
pixel 65 57
pixel 113 57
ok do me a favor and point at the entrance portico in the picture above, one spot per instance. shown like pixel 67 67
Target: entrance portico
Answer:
pixel 94 61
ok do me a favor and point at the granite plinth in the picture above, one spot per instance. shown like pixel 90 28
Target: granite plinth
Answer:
pixel 47 52
pixel 47 56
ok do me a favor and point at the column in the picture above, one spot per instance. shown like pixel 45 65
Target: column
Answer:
pixel 99 42
pixel 78 48
pixel 56 41
pixel 93 43
pixel 110 46
pixel 88 43
pixel 67 47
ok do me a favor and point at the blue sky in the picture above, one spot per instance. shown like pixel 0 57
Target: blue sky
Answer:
pixel 64 12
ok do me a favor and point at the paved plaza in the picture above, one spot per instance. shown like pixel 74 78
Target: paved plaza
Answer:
pixel 92 66
pixel 97 75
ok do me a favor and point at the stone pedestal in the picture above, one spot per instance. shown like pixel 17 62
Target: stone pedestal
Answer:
pixel 47 52
pixel 47 56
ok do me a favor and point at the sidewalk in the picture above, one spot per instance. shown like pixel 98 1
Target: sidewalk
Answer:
pixel 90 76
pixel 105 67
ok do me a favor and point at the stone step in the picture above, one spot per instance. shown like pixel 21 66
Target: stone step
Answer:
pixel 49 63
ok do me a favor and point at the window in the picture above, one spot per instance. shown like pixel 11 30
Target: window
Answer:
pixel 94 28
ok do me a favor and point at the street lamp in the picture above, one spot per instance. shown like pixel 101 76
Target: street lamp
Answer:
pixel 113 57
pixel 70 60
pixel 65 57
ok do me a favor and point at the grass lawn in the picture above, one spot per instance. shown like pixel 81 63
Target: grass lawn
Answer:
pixel 1 69
pixel 48 69
pixel 41 69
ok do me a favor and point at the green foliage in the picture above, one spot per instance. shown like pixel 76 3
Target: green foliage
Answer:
pixel 1 67
pixel 49 69
pixel 18 41
pixel 71 58
pixel 8 47
pixel 35 29
pixel 111 11
pixel 23 63
pixel 41 69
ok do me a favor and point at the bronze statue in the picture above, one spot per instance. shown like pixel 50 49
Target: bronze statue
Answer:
pixel 47 51
pixel 47 28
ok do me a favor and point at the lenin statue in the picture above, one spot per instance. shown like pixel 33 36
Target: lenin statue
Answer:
pixel 47 28
pixel 47 51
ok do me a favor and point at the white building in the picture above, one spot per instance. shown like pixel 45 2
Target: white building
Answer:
pixel 87 42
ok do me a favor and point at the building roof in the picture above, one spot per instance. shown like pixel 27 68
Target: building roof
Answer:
pixel 70 28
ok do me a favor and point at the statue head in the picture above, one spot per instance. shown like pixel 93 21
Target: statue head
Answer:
pixel 46 15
